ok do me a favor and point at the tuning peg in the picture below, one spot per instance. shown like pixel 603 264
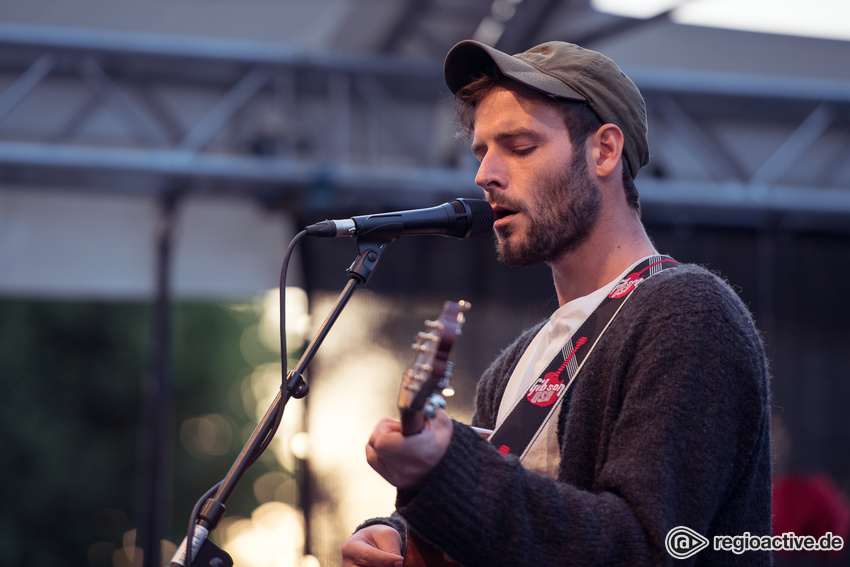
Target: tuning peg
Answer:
pixel 444 385
pixel 425 369
pixel 461 318
pixel 435 402
pixel 447 374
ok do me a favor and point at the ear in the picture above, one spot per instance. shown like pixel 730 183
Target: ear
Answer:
pixel 607 149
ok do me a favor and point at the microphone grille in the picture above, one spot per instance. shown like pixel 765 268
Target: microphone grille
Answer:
pixel 461 219
pixel 475 217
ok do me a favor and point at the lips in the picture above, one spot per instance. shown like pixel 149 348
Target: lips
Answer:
pixel 502 214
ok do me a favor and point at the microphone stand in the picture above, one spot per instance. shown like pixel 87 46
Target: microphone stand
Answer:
pixel 204 553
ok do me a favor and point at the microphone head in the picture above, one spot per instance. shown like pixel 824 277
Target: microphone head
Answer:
pixel 473 217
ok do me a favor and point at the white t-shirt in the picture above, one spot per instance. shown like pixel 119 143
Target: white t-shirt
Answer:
pixel 544 454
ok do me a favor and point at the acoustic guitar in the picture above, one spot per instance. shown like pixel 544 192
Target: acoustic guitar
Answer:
pixel 422 387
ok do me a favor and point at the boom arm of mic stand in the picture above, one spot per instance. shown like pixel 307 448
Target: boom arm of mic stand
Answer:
pixel 294 386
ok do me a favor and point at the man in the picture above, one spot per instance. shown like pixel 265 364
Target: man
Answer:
pixel 666 422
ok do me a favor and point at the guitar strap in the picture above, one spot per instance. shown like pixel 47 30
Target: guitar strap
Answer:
pixel 526 420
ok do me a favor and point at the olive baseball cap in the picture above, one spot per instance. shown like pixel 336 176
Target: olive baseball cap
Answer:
pixel 567 71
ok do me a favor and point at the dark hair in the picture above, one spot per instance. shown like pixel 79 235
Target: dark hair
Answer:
pixel 579 119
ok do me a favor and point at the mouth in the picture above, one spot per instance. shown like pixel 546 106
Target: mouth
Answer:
pixel 502 215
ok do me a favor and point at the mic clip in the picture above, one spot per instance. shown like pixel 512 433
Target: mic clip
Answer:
pixel 370 253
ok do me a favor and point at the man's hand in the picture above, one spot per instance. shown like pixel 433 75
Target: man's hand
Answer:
pixel 406 462
pixel 377 545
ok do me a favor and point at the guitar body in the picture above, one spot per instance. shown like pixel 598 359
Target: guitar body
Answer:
pixel 430 370
pixel 420 553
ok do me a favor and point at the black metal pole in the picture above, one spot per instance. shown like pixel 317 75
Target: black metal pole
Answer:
pixel 157 403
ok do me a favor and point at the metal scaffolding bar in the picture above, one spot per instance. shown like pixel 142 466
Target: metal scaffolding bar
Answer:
pixel 361 126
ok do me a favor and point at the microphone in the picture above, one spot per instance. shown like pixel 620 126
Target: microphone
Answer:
pixel 460 218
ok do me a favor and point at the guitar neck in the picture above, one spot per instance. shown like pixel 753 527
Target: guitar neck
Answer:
pixel 412 421
pixel 416 404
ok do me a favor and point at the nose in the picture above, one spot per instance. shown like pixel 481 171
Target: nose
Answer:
pixel 491 174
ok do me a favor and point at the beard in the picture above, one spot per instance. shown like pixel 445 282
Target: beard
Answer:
pixel 563 209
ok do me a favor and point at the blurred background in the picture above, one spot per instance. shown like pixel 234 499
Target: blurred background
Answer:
pixel 156 158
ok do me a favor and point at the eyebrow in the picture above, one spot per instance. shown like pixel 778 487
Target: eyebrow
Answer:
pixel 502 137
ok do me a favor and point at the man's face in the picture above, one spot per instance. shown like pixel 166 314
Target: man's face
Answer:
pixel 538 184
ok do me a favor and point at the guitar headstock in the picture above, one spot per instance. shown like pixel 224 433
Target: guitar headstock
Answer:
pixel 431 369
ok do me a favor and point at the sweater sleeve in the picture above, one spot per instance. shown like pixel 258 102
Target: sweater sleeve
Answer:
pixel 667 427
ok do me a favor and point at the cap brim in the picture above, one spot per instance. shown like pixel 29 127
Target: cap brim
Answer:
pixel 469 59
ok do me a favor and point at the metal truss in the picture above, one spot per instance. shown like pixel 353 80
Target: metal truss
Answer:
pixel 118 112
pixel 428 28
pixel 748 143
pixel 138 113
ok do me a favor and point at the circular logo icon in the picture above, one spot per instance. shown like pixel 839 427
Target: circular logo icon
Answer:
pixel 683 542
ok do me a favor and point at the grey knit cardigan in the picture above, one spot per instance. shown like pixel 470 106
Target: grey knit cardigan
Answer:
pixel 667 425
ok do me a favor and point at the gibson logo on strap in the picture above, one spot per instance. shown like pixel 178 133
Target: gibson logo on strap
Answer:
pixel 547 389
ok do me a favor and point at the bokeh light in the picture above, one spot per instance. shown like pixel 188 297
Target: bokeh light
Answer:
pixel 206 437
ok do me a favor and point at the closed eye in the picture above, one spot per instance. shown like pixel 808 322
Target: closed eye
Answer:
pixel 524 151
pixel 521 142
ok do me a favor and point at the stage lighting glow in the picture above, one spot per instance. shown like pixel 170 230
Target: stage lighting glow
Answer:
pixel 814 18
